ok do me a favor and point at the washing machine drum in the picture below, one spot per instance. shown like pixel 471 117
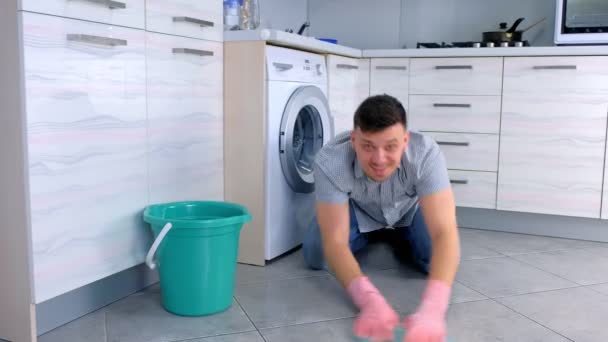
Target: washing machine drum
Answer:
pixel 305 127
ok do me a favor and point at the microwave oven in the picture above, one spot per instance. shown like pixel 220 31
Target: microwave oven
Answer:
pixel 581 22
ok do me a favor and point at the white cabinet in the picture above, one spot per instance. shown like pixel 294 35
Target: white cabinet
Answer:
pixel 348 86
pixel 128 13
pixel 390 76
pixel 462 151
pixel 456 76
pixel 553 135
pixel 552 154
pixel 191 18
pixel 184 85
pixel 86 133
pixel 473 188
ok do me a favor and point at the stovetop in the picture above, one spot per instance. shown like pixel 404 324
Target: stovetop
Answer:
pixel 444 45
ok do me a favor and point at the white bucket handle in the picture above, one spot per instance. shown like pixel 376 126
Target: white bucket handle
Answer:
pixel 149 258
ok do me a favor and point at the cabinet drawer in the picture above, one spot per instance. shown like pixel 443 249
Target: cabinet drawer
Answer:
pixel 190 18
pixel 477 152
pixel 471 114
pixel 128 13
pixel 390 76
pixel 185 118
pixel 348 86
pixel 585 75
pixel 474 189
pixel 456 76
pixel 86 134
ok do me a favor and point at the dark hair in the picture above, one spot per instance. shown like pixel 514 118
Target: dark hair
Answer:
pixel 379 112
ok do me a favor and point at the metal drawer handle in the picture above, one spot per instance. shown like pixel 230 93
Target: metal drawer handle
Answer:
pixel 282 66
pixel 110 3
pixel 347 66
pixel 453 143
pixel 390 67
pixel 85 38
pixel 193 51
pixel 459 181
pixel 554 67
pixel 453 105
pixel 454 67
pixel 193 21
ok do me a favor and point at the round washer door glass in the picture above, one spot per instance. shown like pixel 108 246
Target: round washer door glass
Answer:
pixel 305 128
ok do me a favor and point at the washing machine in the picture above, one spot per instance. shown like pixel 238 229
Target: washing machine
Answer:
pixel 298 123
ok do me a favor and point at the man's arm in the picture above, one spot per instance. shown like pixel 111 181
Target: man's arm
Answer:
pixel 334 224
pixel 439 212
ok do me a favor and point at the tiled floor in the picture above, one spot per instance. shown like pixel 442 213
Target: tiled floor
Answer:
pixel 510 288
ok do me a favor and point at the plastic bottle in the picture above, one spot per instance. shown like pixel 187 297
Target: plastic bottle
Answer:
pixel 232 11
pixel 250 15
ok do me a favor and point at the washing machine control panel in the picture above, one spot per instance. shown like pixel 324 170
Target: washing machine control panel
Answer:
pixel 285 64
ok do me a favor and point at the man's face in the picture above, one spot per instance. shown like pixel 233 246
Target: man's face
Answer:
pixel 380 153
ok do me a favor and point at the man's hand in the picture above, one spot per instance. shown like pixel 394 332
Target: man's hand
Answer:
pixel 428 323
pixel 377 320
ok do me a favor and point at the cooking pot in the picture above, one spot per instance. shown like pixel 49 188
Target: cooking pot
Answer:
pixel 510 35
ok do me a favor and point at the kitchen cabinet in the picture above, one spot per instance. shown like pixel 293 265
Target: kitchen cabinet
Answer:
pixel 101 118
pixel 129 13
pixel 390 76
pixel 348 80
pixel 185 114
pixel 553 135
pixel 456 101
pixel 189 18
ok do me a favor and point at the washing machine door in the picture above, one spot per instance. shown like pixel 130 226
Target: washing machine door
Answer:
pixel 305 127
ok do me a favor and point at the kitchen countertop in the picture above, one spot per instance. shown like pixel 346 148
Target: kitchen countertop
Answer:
pixel 283 38
pixel 286 39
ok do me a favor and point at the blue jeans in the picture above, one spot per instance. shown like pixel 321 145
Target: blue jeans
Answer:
pixel 412 243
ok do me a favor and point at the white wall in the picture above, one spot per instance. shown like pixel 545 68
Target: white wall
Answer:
pixel 356 23
pixel 283 14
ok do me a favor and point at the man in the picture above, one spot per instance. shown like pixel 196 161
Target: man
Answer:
pixel 381 176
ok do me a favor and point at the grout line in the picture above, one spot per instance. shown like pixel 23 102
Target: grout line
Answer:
pixel 546 271
pixel 247 315
pixel 212 336
pixel 531 319
pixel 309 323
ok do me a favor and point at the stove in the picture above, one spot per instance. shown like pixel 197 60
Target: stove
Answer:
pixel 444 45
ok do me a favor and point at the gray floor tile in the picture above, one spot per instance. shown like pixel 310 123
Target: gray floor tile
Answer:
pixel 471 249
pixel 512 244
pixel 377 256
pixel 486 320
pixel 294 301
pixel 335 331
pixel 141 317
pixel 582 266
pixel 498 277
pixel 252 336
pixel 578 313
pixel 285 267
pixel 90 328
pixel 601 288
pixel 403 288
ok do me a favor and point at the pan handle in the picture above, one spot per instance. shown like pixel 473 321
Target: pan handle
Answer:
pixel 515 24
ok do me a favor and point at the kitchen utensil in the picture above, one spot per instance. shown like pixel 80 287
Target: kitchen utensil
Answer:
pixel 504 36
pixel 303 27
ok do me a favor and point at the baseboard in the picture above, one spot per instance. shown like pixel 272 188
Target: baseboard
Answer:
pixel 534 224
pixel 77 303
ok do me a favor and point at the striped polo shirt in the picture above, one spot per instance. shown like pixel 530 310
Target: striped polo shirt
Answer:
pixel 390 203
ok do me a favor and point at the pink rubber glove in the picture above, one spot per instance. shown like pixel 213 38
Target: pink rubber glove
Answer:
pixel 427 324
pixel 376 319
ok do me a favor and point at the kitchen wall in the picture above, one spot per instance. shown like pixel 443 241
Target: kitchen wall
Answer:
pixel 395 23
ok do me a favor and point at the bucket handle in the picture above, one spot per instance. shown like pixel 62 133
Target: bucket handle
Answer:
pixel 149 258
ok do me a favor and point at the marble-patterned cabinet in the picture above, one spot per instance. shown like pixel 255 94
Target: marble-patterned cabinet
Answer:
pixel 553 135
pixel 116 117
pixel 348 80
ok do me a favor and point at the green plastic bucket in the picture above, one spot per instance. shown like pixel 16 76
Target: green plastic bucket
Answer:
pixel 196 245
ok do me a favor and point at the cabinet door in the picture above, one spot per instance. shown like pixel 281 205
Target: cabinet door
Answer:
pixel 128 13
pixel 348 87
pixel 185 118
pixel 191 18
pixel 552 154
pixel 477 152
pixel 390 76
pixel 86 135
